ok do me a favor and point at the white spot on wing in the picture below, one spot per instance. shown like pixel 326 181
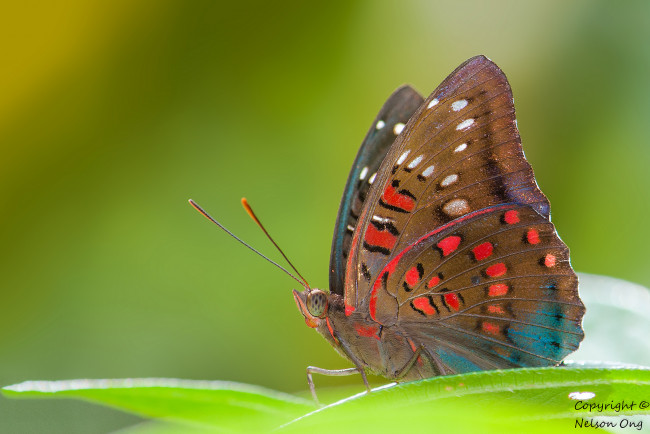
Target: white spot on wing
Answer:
pixel 398 128
pixel 381 219
pixel 380 124
pixel 351 228
pixel 428 171
pixel 372 178
pixel 413 164
pixel 449 180
pixel 363 173
pixel 433 103
pixel 459 105
pixel 456 207
pixel 465 124
pixel 461 147
pixel 402 157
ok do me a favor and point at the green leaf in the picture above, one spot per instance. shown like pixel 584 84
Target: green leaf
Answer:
pixel 204 404
pixel 524 400
pixel 519 400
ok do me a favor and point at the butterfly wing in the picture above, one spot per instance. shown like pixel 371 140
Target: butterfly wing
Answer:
pixel 449 175
pixel 392 117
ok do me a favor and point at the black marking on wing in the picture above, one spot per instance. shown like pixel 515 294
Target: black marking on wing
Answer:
pixel 444 302
pixel 378 249
pixel 420 269
pixel 385 226
pixel 421 312
pixel 365 272
pixel 392 208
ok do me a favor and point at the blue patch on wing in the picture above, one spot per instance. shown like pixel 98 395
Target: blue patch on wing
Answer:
pixel 457 363
pixel 543 331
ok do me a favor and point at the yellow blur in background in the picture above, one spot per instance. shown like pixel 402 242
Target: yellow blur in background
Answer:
pixel 113 114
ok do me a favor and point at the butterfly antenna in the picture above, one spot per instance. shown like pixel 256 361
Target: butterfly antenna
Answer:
pixel 209 217
pixel 252 215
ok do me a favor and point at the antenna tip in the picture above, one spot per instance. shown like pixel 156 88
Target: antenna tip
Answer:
pixel 249 210
pixel 196 207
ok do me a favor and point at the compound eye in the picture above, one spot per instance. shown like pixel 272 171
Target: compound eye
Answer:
pixel 317 303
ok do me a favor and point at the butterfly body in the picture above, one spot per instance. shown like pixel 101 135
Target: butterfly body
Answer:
pixel 444 259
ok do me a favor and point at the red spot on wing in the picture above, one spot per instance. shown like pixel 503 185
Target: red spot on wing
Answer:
pixel 329 326
pixel 482 251
pixel 378 238
pixel 493 308
pixel 452 301
pixel 449 244
pixel 366 331
pixel 550 260
pixel 498 290
pixel 433 282
pixel 511 217
pixel 490 328
pixel 393 198
pixel 532 236
pixel 413 347
pixel 496 270
pixel 423 304
pixel 412 276
pixel 349 309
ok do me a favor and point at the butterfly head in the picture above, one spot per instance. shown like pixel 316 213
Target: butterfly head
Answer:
pixel 313 304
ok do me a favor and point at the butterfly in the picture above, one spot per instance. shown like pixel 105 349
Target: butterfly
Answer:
pixel 444 258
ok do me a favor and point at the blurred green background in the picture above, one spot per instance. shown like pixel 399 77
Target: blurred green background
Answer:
pixel 113 114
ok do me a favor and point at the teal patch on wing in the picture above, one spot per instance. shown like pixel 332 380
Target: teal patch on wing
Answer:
pixel 458 363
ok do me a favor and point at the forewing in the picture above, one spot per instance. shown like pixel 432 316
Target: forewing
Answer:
pixel 459 153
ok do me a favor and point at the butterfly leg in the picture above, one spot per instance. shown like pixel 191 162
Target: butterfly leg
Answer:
pixel 401 373
pixel 333 372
